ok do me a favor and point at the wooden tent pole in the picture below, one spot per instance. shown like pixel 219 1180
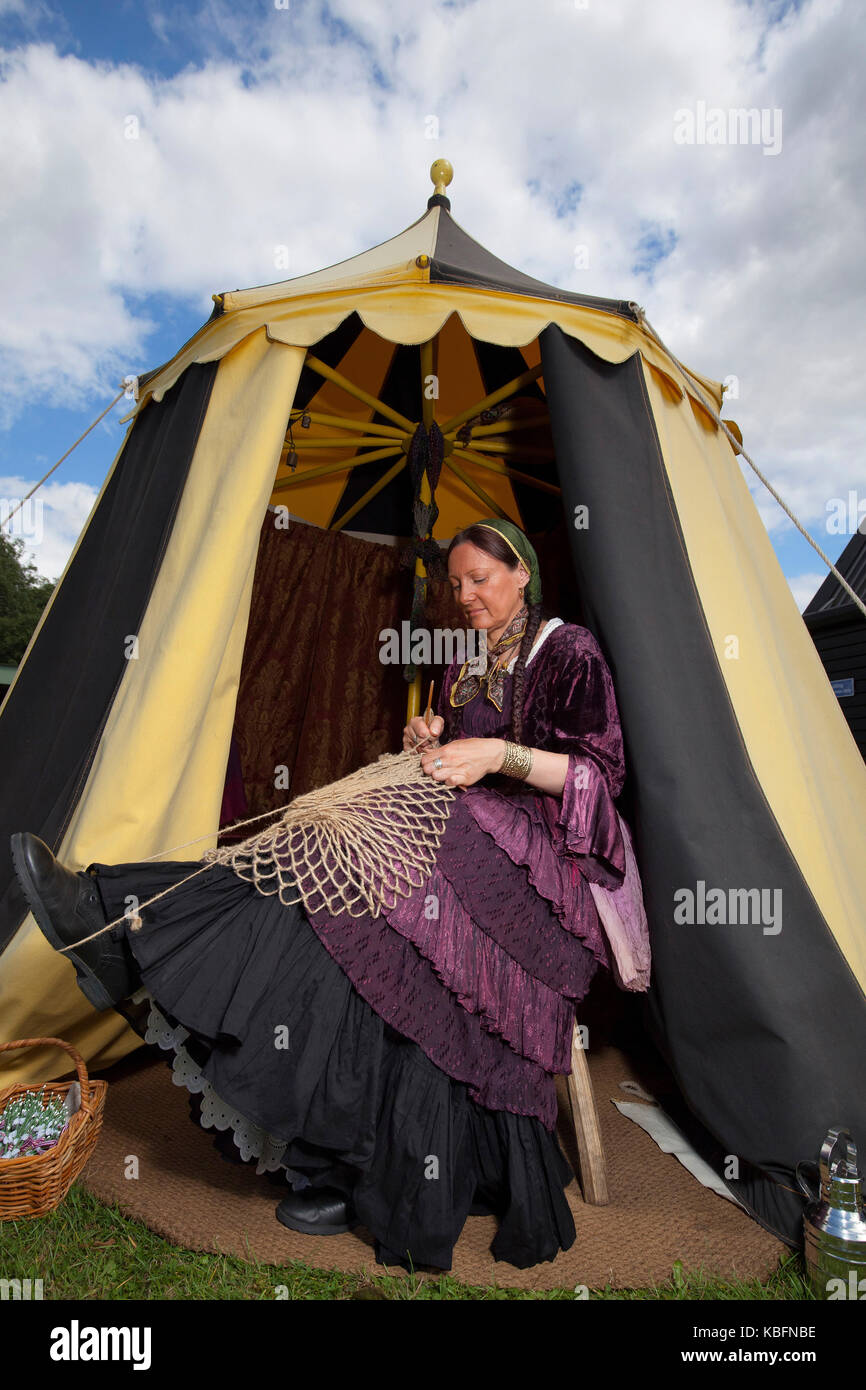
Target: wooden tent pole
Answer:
pixel 339 380
pixel 344 422
pixel 413 700
pixel 493 508
pixel 362 501
pixel 501 427
pixel 494 398
pixel 504 446
pixel 359 441
pixel 323 469
pixel 493 466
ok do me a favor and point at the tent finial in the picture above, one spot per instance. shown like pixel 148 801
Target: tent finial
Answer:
pixel 441 173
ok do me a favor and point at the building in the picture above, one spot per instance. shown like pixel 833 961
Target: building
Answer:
pixel 838 630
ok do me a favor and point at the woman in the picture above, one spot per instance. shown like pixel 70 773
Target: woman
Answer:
pixel 400 1070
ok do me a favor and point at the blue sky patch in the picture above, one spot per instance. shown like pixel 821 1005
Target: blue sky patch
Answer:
pixel 654 246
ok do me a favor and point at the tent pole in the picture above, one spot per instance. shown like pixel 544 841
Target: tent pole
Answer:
pixel 362 501
pixel 504 446
pixel 345 422
pixel 494 398
pixel 413 701
pixel 493 508
pixel 321 470
pixel 514 473
pixel 334 441
pixel 339 380
pixel 502 427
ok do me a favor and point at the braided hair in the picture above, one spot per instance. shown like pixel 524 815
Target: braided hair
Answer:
pixel 499 549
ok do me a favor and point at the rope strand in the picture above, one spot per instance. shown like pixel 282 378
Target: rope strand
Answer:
pixel 739 449
pixel 44 479
pixel 236 825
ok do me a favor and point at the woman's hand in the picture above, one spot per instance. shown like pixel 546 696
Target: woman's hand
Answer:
pixel 425 737
pixel 464 761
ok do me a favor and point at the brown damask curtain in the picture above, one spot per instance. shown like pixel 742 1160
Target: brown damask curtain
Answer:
pixel 314 697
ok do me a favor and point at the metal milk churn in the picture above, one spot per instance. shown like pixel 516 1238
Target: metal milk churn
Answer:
pixel 835 1223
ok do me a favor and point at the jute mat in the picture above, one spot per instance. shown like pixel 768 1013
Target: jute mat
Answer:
pixel 188 1193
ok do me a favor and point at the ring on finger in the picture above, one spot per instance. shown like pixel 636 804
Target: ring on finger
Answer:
pixel 437 763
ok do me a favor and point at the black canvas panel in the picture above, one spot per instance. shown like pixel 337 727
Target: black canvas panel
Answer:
pixel 765 1033
pixel 460 260
pixel 331 350
pixel 54 715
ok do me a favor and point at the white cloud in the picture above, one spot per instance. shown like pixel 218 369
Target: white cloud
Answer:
pixel 306 127
pixel 805 586
pixel 50 523
pixel 160 25
pixel 30 12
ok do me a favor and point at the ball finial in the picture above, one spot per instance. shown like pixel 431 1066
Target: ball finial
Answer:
pixel 441 173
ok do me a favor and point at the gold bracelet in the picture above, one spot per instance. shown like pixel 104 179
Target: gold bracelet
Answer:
pixel 517 761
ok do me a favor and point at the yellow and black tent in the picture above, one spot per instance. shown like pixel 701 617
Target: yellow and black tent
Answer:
pixel 426 384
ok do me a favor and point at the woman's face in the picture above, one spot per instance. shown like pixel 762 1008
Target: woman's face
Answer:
pixel 486 590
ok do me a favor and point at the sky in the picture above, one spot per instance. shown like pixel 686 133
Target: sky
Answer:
pixel 154 154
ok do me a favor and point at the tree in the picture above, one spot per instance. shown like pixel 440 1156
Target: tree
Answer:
pixel 23 595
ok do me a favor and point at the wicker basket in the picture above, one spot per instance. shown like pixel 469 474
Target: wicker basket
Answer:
pixel 37 1183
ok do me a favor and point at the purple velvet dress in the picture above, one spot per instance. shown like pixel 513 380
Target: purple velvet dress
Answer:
pixel 518 938
pixel 410 1037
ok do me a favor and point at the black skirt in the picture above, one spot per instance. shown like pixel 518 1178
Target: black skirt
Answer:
pixel 303 1077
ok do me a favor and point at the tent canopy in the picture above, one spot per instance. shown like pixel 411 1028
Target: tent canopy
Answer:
pixel 744 780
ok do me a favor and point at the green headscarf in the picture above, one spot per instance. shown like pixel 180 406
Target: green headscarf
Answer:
pixel 522 549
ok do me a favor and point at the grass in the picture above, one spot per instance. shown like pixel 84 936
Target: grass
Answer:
pixel 87 1250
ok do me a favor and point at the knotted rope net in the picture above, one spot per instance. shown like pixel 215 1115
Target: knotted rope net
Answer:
pixel 353 846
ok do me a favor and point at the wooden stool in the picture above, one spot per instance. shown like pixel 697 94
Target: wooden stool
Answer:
pixel 593 1170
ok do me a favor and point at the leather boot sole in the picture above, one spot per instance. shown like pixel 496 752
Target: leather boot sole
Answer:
pixel 294 1221
pixel 90 985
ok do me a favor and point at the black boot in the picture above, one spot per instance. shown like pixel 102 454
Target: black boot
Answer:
pixel 67 907
pixel 318 1213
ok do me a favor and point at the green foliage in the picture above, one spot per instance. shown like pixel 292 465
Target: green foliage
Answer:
pixel 23 595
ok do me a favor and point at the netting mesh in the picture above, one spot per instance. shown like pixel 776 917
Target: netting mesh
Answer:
pixel 354 846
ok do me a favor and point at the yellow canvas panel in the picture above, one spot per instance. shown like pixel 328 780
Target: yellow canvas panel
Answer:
pixel 392 260
pixel 795 734
pixel 456 365
pixel 47 1003
pixel 413 313
pixel 669 386
pixel 531 353
pixel 172 718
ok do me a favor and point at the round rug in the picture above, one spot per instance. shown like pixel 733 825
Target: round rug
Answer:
pixel 188 1193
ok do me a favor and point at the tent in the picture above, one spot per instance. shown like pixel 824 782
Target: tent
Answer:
pixel 746 792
